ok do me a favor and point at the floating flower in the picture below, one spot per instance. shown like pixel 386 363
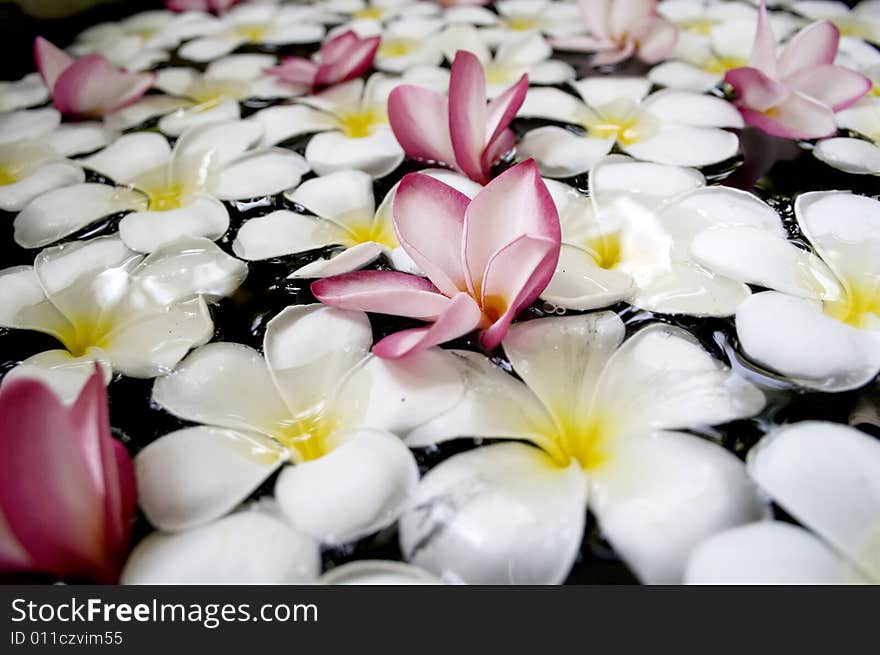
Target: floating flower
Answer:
pixel 795 93
pixel 315 400
pixel 519 17
pixel 666 127
pixel 620 29
pixel 825 476
pixel 820 323
pixel 89 86
pixel 854 154
pixel 342 58
pixel 343 213
pixel 350 126
pixel 528 54
pixel 461 130
pixel 408 44
pixel 172 193
pixel 68 499
pixel 597 422
pixel 104 303
pixel 486 259
pixel 261 24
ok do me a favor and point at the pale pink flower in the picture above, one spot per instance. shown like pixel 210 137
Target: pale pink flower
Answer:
pixel 485 259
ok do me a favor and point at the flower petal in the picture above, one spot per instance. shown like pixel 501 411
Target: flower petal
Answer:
pixel 684 145
pixel 63 373
pixel 129 156
pixel 281 233
pixel 599 91
pixel 282 122
pixel 378 154
pixel 468 115
pixel 420 120
pixel 849 155
pixel 378 572
pixel 146 231
pixel 692 109
pixel 347 261
pixel 14 197
pixel 580 283
pixel 560 152
pixel 382 292
pixel 28 124
pixel 261 173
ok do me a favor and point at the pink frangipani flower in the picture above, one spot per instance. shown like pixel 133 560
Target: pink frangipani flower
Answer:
pixel 461 131
pixel 620 29
pixel 213 6
pixel 794 94
pixel 67 489
pixel 89 86
pixel 485 259
pixel 342 58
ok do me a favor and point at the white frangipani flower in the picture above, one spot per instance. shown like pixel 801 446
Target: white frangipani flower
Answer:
pixel 517 17
pixel 316 400
pixel 852 154
pixel 368 17
pixel 630 239
pixel 820 323
pixel 666 127
pixel 171 193
pixel 34 147
pixel 256 24
pixel 350 126
pixel 342 211
pixel 104 303
pixel 825 475
pixel 408 43
pixel 595 423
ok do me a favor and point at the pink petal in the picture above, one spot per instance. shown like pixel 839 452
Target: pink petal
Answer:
pixel 798 117
pixel 47 494
pixel 337 47
pixel 502 110
pixel 51 61
pixel 626 16
pixel 382 292
pixel 515 277
pixel 353 62
pixel 467 115
pixel 764 49
pixel 596 15
pixel 13 557
pixel 615 54
pixel 581 43
pixel 502 144
pixel 656 39
pixel 429 221
pixel 92 86
pixel 813 46
pixel 462 316
pixel 754 89
pixel 295 70
pixel 514 204
pixel 835 86
pixel 419 119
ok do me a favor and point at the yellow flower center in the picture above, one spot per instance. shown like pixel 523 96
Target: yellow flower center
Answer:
pixel 626 130
pixel 849 26
pixel 8 175
pixel 860 300
pixel 209 93
pixel 85 332
pixel 496 74
pixel 164 198
pixel 605 249
pixel 585 440
pixel 308 437
pixel 874 91
pixel 521 23
pixel 251 32
pixel 392 48
pixel 701 26
pixel 381 232
pixel 360 123
pixel 722 64
pixel 374 13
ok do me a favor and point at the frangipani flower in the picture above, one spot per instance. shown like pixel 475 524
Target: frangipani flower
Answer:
pixel 528 54
pixel 68 490
pixel 519 17
pixel 485 259
pixel 620 29
pixel 342 212
pixel 699 18
pixel 460 131
pixel 408 44
pixel 193 98
pixel 104 303
pixel 350 126
pixel 369 16
pixel 859 22
pixel 825 475
pixel 89 86
pixel 666 127
pixel 795 93
pixel 851 154
pixel 315 400
pixel 263 24
pixel 172 193
pixel 820 323
pixel 597 422
pixel 342 58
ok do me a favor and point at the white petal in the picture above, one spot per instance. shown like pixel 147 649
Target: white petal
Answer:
pixel 793 336
pixel 62 372
pixel 683 76
pixel 14 197
pixel 83 262
pixel 338 196
pixel 223 384
pixel 285 121
pixel 350 259
pixel 191 476
pixel 765 553
pixel 180 120
pixel 24 302
pixel 360 487
pixel 686 288
pixel 245 548
pixel 683 145
pixel 26 92
pixel 78 138
pixel 656 498
pixel 554 104
pixel 144 109
pixel 227 141
pixel 261 173
pixel 240 67
pixel 618 177
pixel 849 155
pixel 207 48
pixel 827 476
pixel 579 283
pixel 281 233
pixel 377 155
pixel 499 514
pixel 378 572
pixel 598 91
pixel 550 72
pixel 560 152
pixel 130 155
pixel 692 109
pixel 146 231
pixel 63 211
pixel 719 206
pixel 28 124
pixel 294 32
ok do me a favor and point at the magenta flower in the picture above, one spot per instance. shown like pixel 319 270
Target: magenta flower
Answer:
pixel 342 58
pixel 485 259
pixel 795 93
pixel 212 6
pixel 89 86
pixel 461 131
pixel 620 29
pixel 67 489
